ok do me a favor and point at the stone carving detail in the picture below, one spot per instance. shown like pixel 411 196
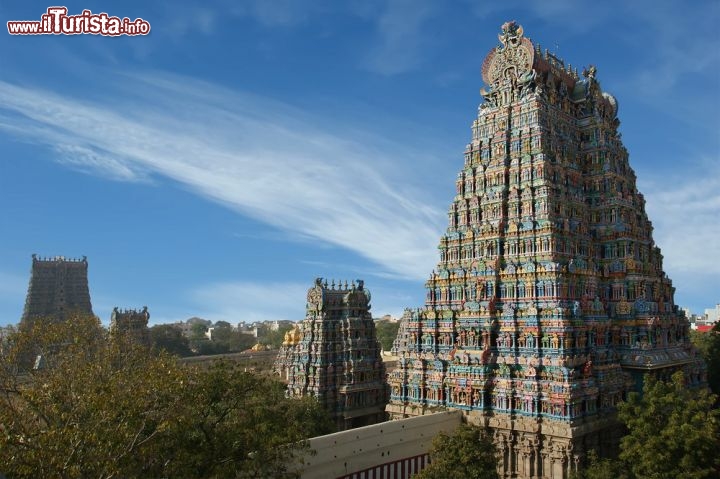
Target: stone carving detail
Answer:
pixel 511 60
pixel 541 309
pixel 58 288
pixel 334 356
pixel 132 323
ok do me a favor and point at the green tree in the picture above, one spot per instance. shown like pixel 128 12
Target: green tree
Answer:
pixel 386 332
pixel 468 453
pixel 275 338
pixel 602 468
pixel 673 431
pixel 238 341
pixel 197 331
pixel 171 339
pixel 222 325
pixel 87 407
pixel 242 429
pixel 98 407
pixel 225 339
pixel 708 344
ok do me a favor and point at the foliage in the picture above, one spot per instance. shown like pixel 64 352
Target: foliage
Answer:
pixel 605 468
pixel 673 431
pixel 225 339
pixel 89 407
pixel 222 325
pixel 708 344
pixel 107 408
pixel 171 339
pixel 197 331
pixel 386 332
pixel 242 430
pixel 468 453
pixel 274 339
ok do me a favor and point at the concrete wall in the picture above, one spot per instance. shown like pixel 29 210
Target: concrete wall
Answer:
pixel 392 449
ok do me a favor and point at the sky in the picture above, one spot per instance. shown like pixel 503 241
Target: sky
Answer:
pixel 216 166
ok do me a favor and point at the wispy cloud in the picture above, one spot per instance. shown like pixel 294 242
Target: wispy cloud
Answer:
pixel 680 46
pixel 277 13
pixel 89 160
pixel 666 41
pixel 183 19
pixel 261 301
pixel 685 218
pixel 245 301
pixel 571 16
pixel 257 156
pixel 400 37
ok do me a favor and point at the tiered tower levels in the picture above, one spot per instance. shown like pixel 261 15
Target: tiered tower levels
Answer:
pixel 549 301
pixel 58 288
pixel 132 323
pixel 336 356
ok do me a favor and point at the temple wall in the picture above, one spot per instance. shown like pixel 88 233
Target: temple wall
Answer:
pixel 394 448
pixel 537 448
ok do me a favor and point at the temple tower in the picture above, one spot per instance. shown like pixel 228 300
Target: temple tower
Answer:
pixel 284 360
pixel 58 288
pixel 549 302
pixel 131 323
pixel 335 356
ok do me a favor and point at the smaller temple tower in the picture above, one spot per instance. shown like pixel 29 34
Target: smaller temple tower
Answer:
pixel 335 356
pixel 402 339
pixel 132 323
pixel 284 358
pixel 58 288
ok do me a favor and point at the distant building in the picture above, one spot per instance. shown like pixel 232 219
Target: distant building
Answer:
pixel 282 323
pixel 187 326
pixel 335 355
pixel 712 315
pixel 58 288
pixel 132 323
pixel 707 321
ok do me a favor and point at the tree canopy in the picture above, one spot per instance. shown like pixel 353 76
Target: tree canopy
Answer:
pixel 171 339
pixel 386 332
pixel 673 431
pixel 274 338
pixel 198 330
pixel 98 407
pixel 468 453
pixel 708 343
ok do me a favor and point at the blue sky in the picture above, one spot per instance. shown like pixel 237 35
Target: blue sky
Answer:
pixel 218 165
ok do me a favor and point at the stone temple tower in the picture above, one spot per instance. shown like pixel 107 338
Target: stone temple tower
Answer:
pixel 336 355
pixel 131 323
pixel 549 302
pixel 58 288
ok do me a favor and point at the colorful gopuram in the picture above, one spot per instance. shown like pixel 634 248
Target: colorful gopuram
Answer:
pixel 284 359
pixel 131 323
pixel 549 302
pixel 335 356
pixel 58 288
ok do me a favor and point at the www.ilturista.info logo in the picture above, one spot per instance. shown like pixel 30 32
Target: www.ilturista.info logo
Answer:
pixel 57 22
